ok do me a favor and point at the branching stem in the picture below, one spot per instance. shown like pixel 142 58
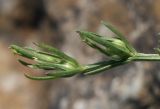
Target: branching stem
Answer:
pixel 118 49
pixel 102 66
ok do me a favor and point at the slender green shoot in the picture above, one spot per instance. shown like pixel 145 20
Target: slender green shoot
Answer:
pixel 60 65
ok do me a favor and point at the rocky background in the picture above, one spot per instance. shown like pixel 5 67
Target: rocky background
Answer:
pixel 133 86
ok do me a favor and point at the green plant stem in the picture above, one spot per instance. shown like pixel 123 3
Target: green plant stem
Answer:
pixel 145 57
pixel 102 66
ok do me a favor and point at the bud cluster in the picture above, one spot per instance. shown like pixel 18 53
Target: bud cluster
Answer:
pixel 58 63
pixel 61 65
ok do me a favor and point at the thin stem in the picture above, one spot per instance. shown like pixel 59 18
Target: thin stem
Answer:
pixel 145 57
pixel 104 66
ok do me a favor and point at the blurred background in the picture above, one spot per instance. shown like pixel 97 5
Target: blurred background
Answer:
pixel 132 86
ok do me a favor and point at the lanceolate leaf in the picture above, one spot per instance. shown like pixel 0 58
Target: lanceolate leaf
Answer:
pixel 46 66
pixel 66 73
pixel 55 75
pixel 40 77
pixel 33 54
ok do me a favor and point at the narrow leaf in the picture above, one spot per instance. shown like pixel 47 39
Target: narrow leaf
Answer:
pixel 33 54
pixel 68 73
pixel 40 78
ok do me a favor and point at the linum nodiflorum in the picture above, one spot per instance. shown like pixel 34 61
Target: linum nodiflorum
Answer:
pixel 60 65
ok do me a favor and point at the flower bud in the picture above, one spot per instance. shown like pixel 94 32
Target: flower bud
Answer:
pixel 112 47
pixel 120 49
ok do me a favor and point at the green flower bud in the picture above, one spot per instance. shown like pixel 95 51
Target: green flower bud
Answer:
pixel 119 50
pixel 54 57
pixel 112 47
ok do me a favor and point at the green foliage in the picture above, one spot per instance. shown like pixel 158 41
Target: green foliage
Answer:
pixel 61 65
